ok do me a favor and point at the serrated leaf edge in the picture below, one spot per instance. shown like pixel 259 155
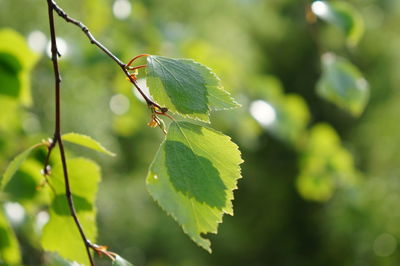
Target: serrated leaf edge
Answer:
pixel 220 87
pixel 220 219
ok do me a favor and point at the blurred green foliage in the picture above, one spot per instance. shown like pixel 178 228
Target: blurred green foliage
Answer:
pixel 320 186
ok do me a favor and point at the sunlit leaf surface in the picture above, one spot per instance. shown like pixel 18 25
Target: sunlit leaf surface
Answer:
pixel 193 177
pixel 84 177
pixel 186 87
pixel 325 165
pixel 86 141
pixel 14 166
pixel 16 61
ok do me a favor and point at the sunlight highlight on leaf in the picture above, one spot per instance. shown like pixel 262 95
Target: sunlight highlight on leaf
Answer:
pixel 186 87
pixel 193 177
pixel 14 166
pixel 84 177
pixel 86 141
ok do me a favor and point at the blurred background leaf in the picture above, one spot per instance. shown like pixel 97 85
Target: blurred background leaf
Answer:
pixel 9 249
pixel 342 15
pixel 343 84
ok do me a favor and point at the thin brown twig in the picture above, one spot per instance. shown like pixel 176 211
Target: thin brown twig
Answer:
pixel 136 57
pixel 90 36
pixel 136 67
pixel 57 134
pixel 52 6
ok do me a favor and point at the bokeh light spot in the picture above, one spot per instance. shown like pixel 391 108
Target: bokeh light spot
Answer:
pixel 263 112
pixel 31 124
pixel 384 245
pixel 15 212
pixel 37 41
pixel 61 45
pixel 122 9
pixel 41 219
pixel 142 84
pixel 119 104
pixel 320 8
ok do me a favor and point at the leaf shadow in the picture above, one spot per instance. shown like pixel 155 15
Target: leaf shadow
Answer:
pixel 10 67
pixel 60 205
pixel 5 238
pixel 184 85
pixel 194 175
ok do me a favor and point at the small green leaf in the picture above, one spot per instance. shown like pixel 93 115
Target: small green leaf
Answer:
pixel 16 62
pixel 121 262
pixel 86 141
pixel 343 84
pixel 186 87
pixel 10 68
pixel 9 248
pixel 343 16
pixel 23 187
pixel 193 177
pixel 325 165
pixel 84 176
pixel 14 166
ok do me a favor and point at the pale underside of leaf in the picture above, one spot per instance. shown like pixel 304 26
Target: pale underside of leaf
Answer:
pixel 193 177
pixel 186 87
pixel 87 142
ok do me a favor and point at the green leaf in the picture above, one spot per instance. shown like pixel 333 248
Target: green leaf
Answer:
pixel 9 248
pixel 186 87
pixel 84 176
pixel 285 116
pixel 193 177
pixel 14 166
pixel 343 16
pixel 86 141
pixel 121 262
pixel 10 67
pixel 16 62
pixel 23 187
pixel 325 165
pixel 343 84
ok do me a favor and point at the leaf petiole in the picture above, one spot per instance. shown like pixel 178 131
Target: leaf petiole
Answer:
pixel 133 59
